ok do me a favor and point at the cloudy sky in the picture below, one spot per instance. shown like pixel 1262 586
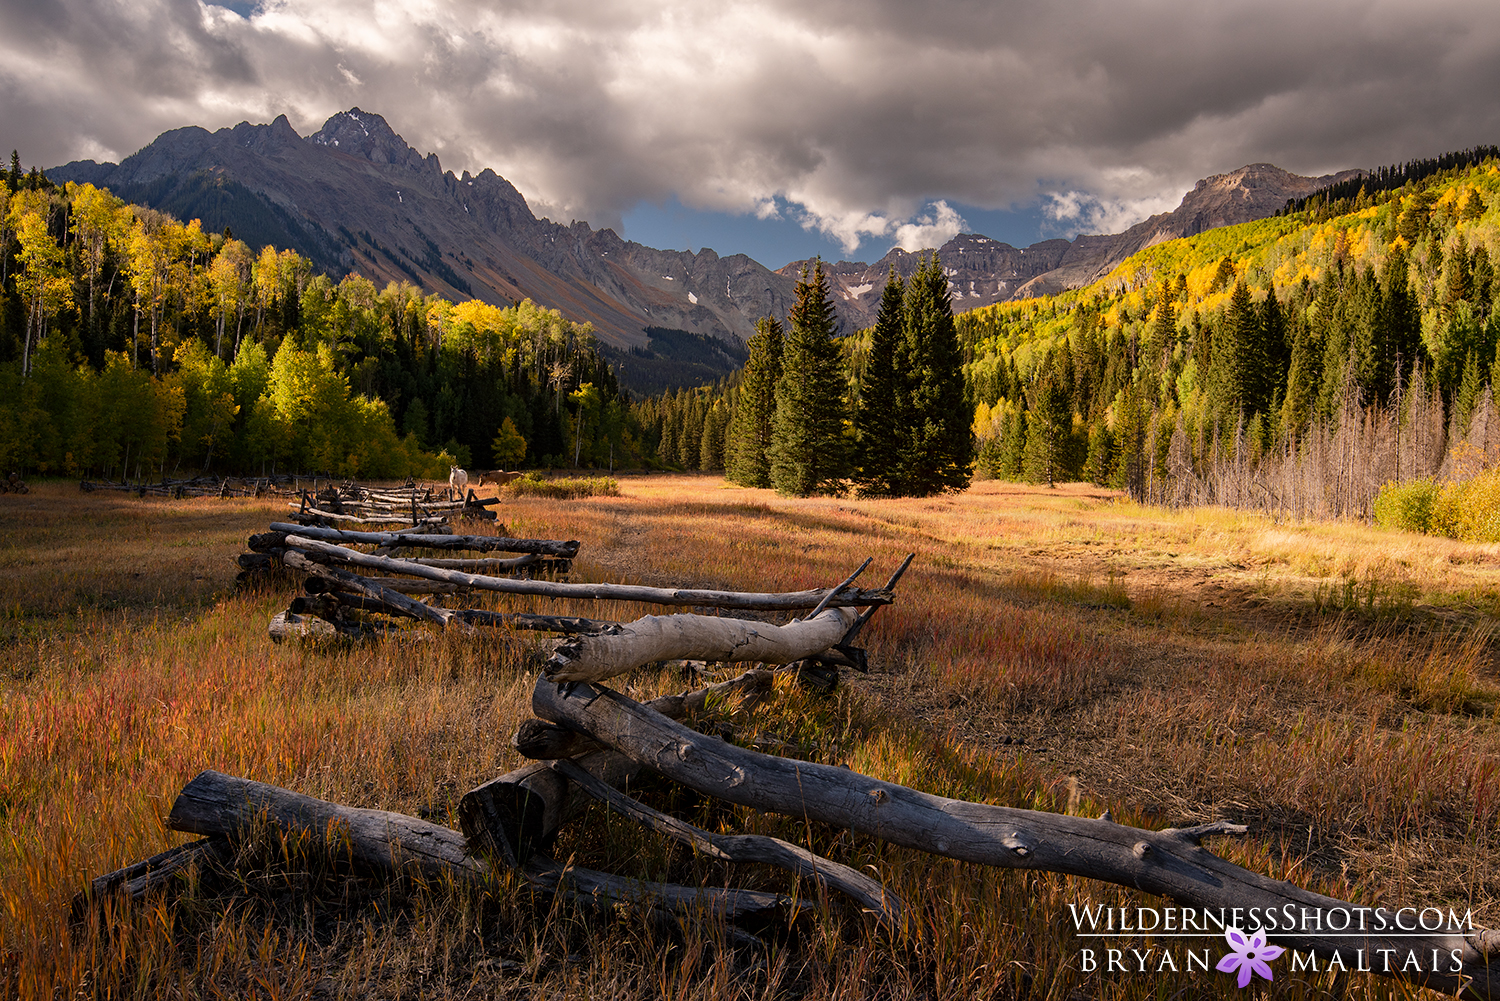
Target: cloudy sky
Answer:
pixel 783 128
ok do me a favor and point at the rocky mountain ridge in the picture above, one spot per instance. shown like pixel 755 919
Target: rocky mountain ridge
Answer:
pixel 982 271
pixel 354 196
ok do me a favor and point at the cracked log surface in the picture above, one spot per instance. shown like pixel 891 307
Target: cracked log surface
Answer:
pixel 1169 863
pixel 697 637
pixel 783 601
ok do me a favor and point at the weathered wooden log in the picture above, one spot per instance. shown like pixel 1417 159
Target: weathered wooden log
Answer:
pixel 716 903
pixel 541 740
pixel 219 804
pixel 320 514
pixel 405 585
pixel 470 616
pixel 1170 863
pixel 530 622
pixel 516 816
pixel 519 813
pixel 479 566
pixel 789 601
pixel 215 804
pixel 595 657
pixel 868 893
pixel 157 873
pixel 362 585
pixel 475 543
pixel 295 625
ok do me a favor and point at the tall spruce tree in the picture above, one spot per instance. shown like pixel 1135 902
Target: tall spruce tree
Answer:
pixel 748 460
pixel 809 453
pixel 877 422
pixel 934 417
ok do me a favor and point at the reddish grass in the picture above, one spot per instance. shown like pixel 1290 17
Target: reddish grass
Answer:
pixel 1049 649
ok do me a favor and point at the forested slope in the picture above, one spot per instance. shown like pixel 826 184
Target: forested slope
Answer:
pixel 132 343
pixel 1303 360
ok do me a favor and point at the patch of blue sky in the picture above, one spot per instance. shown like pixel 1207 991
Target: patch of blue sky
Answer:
pixel 781 239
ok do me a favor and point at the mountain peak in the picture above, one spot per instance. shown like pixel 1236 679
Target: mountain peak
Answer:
pixel 365 135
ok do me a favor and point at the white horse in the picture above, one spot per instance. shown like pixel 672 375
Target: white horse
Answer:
pixel 458 480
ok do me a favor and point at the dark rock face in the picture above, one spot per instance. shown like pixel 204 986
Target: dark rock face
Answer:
pixel 355 197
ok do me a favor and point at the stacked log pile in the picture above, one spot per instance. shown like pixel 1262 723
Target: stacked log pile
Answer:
pixel 13 484
pixel 588 742
pixel 409 505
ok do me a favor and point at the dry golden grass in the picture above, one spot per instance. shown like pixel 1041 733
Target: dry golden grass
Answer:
pixel 1050 649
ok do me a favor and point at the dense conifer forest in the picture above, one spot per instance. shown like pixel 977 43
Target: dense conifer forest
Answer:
pixel 1302 363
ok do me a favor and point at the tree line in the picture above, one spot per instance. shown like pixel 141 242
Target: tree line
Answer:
pixel 884 412
pixel 1250 348
pixel 133 344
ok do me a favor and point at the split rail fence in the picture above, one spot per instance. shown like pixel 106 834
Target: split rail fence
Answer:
pixel 587 743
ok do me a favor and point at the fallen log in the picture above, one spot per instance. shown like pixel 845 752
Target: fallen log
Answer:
pixel 594 657
pixel 1169 863
pixel 480 566
pixel 519 813
pixel 788 601
pixel 868 893
pixel 295 625
pixel 719 903
pixel 474 617
pixel 217 804
pixel 159 872
pixel 541 740
pixel 476 543
pixel 362 585
pixel 221 805
pixel 315 513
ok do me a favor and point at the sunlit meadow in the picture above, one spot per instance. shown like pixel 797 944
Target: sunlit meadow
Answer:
pixel 1331 685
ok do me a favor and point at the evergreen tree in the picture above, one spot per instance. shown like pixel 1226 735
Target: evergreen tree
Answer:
pixel 1012 461
pixel 1272 353
pixel 1101 451
pixel 933 414
pixel 13 178
pixel 809 453
pixel 1302 381
pixel 1468 395
pixel 1129 432
pixel 748 461
pixel 1163 335
pixel 877 423
pixel 1233 367
pixel 711 447
pixel 1049 426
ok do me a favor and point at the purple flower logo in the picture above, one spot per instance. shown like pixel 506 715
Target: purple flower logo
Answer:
pixel 1249 955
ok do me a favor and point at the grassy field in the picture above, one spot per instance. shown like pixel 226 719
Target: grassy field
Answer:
pixel 1334 686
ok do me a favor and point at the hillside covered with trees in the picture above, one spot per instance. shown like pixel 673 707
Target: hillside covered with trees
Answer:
pixel 1295 363
pixel 133 344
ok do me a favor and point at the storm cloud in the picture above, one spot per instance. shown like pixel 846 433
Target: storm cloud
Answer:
pixel 860 119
